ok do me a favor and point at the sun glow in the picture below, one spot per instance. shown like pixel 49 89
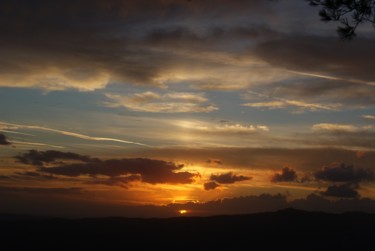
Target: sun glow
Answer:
pixel 182 211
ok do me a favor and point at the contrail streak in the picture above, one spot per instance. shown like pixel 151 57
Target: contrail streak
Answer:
pixel 72 134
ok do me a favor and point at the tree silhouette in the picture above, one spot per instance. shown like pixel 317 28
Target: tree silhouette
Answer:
pixel 350 13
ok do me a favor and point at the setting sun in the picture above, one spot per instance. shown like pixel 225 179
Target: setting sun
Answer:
pixel 182 211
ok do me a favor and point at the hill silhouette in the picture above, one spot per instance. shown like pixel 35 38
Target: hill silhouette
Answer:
pixel 289 228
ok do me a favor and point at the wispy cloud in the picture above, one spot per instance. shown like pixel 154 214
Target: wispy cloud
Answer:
pixel 228 128
pixel 35 144
pixel 356 81
pixel 279 103
pixel 338 127
pixel 369 117
pixel 174 102
pixel 67 133
pixel 19 133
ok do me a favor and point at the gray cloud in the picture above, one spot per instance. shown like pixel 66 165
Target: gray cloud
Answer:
pixel 228 178
pixel 328 72
pixel 210 185
pixel 3 140
pixel 321 56
pixel 287 175
pixel 116 181
pixel 334 94
pixel 151 171
pixel 344 173
pixel 4 177
pixel 117 41
pixel 304 159
pixel 34 175
pixel 348 190
pixel 38 158
pixel 214 161
pixel 41 190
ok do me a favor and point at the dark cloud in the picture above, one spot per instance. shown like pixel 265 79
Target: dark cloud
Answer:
pixel 304 159
pixel 151 171
pixel 214 38
pixel 341 93
pixel 314 202
pixel 4 177
pixel 344 173
pixel 287 175
pixel 38 158
pixel 328 72
pixel 116 181
pixel 98 42
pixel 342 191
pixel 24 203
pixel 41 190
pixel 238 205
pixel 3 140
pixel 35 175
pixel 228 178
pixel 321 55
pixel 210 185
pixel 214 161
pixel 339 135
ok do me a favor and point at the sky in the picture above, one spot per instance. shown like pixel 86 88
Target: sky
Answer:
pixel 144 108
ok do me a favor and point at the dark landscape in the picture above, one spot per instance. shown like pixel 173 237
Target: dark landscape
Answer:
pixel 284 230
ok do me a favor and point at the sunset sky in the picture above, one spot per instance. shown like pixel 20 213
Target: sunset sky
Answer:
pixel 145 108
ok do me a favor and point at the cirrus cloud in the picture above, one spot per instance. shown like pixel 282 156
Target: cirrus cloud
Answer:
pixel 174 102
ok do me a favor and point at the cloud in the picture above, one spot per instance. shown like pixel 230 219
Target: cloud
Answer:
pixel 116 181
pixel 151 171
pixel 329 74
pixel 342 191
pixel 344 173
pixel 335 128
pixel 282 104
pixel 238 205
pixel 35 175
pixel 287 175
pixel 314 202
pixel 321 56
pixel 174 102
pixel 67 133
pixel 342 135
pixel 3 140
pixel 333 94
pixel 210 185
pixel 39 158
pixel 4 177
pixel 41 190
pixel 222 129
pixel 81 33
pixel 214 161
pixel 369 117
pixel 361 154
pixel 262 158
pixel 228 178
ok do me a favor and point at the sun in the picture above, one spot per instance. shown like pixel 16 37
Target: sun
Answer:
pixel 182 211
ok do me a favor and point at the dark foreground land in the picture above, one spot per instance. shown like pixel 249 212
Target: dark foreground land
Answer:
pixel 283 230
